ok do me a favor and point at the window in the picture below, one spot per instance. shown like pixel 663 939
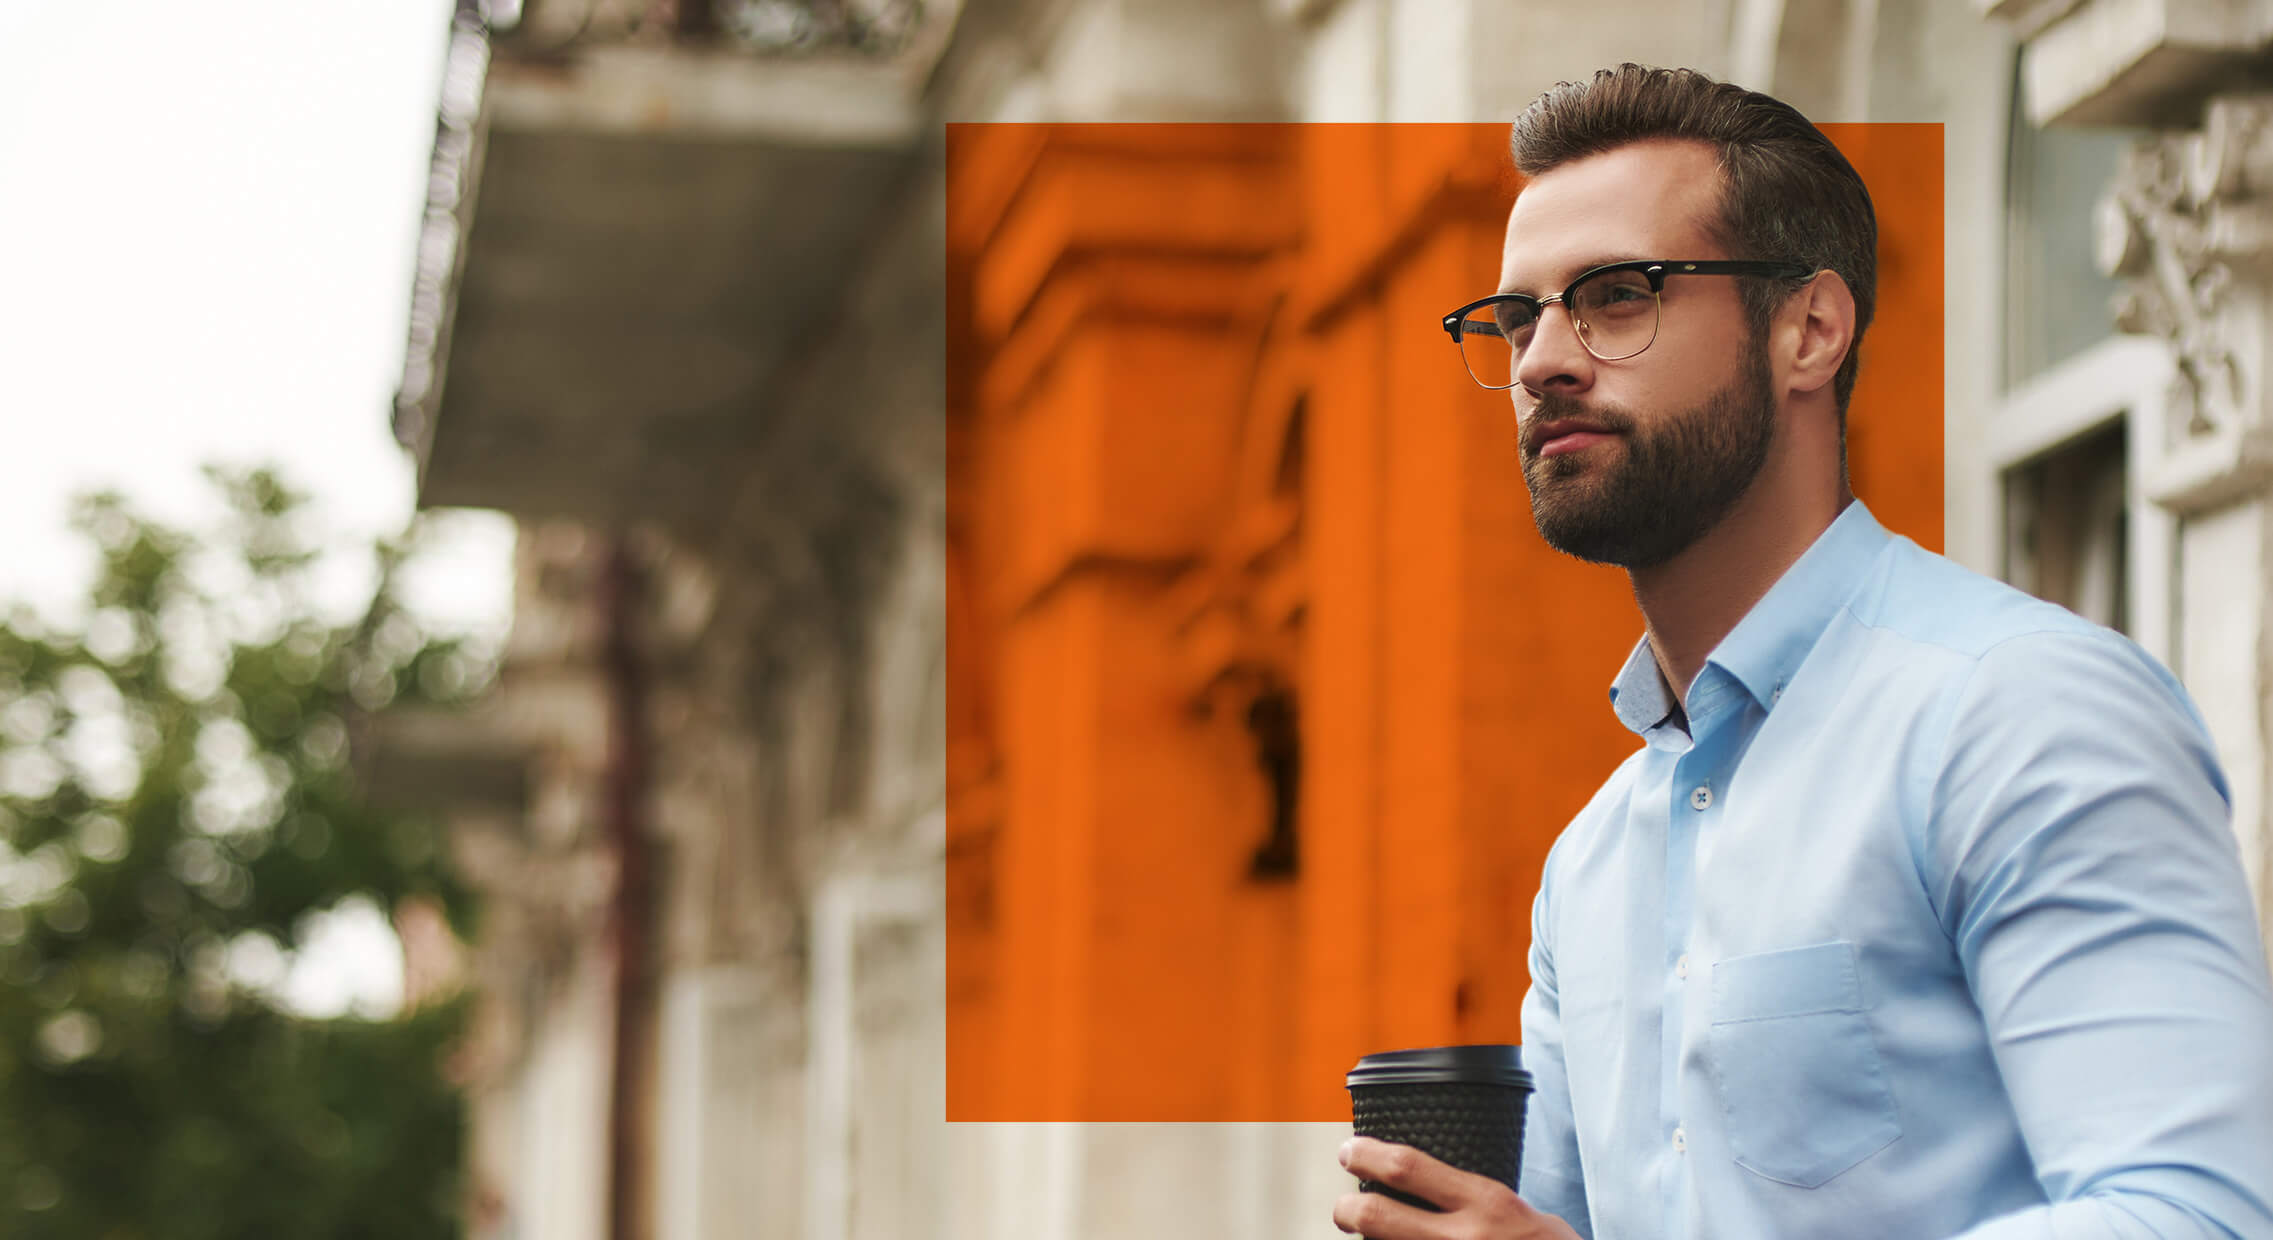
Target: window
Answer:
pixel 2056 302
pixel 2067 527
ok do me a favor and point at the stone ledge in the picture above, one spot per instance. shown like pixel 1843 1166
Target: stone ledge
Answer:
pixel 2026 17
pixel 2140 62
pixel 2211 472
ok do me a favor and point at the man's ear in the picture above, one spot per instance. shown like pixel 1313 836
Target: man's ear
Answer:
pixel 1824 315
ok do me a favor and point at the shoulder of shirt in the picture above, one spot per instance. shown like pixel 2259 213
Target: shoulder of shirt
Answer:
pixel 1957 630
pixel 1933 600
pixel 2014 667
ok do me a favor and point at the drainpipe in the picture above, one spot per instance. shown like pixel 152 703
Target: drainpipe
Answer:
pixel 633 914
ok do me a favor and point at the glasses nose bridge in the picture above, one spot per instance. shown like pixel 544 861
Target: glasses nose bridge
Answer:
pixel 1539 322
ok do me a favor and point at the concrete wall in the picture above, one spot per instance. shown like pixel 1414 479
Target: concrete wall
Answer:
pixel 795 725
pixel 803 787
pixel 800 729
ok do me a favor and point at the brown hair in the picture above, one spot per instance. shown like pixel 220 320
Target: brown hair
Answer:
pixel 1787 194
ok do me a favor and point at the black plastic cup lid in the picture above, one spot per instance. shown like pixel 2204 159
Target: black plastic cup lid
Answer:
pixel 1490 1064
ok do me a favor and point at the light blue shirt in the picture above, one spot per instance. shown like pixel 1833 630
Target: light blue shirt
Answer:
pixel 1930 924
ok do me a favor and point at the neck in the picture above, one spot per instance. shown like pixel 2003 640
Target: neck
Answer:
pixel 1691 601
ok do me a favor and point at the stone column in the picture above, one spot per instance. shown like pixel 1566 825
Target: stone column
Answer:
pixel 2188 227
pixel 1117 295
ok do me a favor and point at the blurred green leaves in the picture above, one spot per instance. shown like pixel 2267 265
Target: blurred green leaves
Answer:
pixel 176 801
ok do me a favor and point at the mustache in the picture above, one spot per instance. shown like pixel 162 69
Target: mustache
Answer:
pixel 1556 407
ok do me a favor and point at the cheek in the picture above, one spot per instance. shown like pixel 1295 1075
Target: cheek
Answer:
pixel 1647 393
pixel 1694 365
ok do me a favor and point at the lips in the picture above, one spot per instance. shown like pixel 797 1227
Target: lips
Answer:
pixel 1579 431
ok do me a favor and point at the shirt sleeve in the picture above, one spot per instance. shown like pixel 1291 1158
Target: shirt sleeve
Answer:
pixel 1551 1178
pixel 2090 883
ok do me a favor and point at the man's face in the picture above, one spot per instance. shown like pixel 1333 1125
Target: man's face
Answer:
pixel 1630 462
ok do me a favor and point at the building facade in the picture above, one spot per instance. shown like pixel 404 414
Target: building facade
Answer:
pixel 832 728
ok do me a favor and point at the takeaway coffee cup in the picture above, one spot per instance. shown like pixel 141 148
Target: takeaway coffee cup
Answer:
pixel 1462 1105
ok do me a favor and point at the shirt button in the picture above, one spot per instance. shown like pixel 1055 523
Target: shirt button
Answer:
pixel 1681 967
pixel 1702 798
pixel 1680 1141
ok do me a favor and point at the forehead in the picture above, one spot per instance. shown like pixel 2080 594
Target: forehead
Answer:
pixel 1648 199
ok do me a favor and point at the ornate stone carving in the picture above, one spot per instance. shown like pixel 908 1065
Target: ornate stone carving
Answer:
pixel 2188 227
pixel 2187 217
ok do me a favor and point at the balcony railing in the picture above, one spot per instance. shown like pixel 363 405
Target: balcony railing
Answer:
pixel 541 28
pixel 443 227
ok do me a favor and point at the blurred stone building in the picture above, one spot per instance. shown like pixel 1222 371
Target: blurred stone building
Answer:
pixel 682 313
pixel 678 314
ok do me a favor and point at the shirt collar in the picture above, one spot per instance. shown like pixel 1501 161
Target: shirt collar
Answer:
pixel 1765 648
pixel 1639 695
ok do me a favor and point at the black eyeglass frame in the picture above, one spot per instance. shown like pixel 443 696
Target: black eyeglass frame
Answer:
pixel 1655 269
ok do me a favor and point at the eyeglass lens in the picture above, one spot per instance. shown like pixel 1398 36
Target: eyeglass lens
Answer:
pixel 1615 313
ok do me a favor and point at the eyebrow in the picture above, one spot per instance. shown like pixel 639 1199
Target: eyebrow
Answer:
pixel 1584 267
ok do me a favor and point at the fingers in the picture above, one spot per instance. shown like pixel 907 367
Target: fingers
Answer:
pixel 1380 1218
pixel 1475 1204
pixel 1403 1167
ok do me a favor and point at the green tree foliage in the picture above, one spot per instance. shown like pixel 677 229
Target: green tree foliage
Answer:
pixel 176 800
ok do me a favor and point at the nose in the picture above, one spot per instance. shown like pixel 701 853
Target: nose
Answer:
pixel 1555 358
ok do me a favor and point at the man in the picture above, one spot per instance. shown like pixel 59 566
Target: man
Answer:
pixel 1917 914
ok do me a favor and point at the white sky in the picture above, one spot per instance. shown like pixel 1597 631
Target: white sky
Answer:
pixel 207 217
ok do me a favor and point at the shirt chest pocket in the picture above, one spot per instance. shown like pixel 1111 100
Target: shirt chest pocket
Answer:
pixel 1799 1076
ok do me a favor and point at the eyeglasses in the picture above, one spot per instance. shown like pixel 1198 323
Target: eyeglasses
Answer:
pixel 1615 308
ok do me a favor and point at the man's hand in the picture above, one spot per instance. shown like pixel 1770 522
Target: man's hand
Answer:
pixel 1476 1207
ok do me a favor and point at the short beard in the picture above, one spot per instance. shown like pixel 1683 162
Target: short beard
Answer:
pixel 1676 481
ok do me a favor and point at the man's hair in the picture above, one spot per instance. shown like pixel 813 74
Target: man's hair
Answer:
pixel 1787 194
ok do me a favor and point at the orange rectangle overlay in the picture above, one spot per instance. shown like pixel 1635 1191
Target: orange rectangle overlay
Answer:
pixel 1265 697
